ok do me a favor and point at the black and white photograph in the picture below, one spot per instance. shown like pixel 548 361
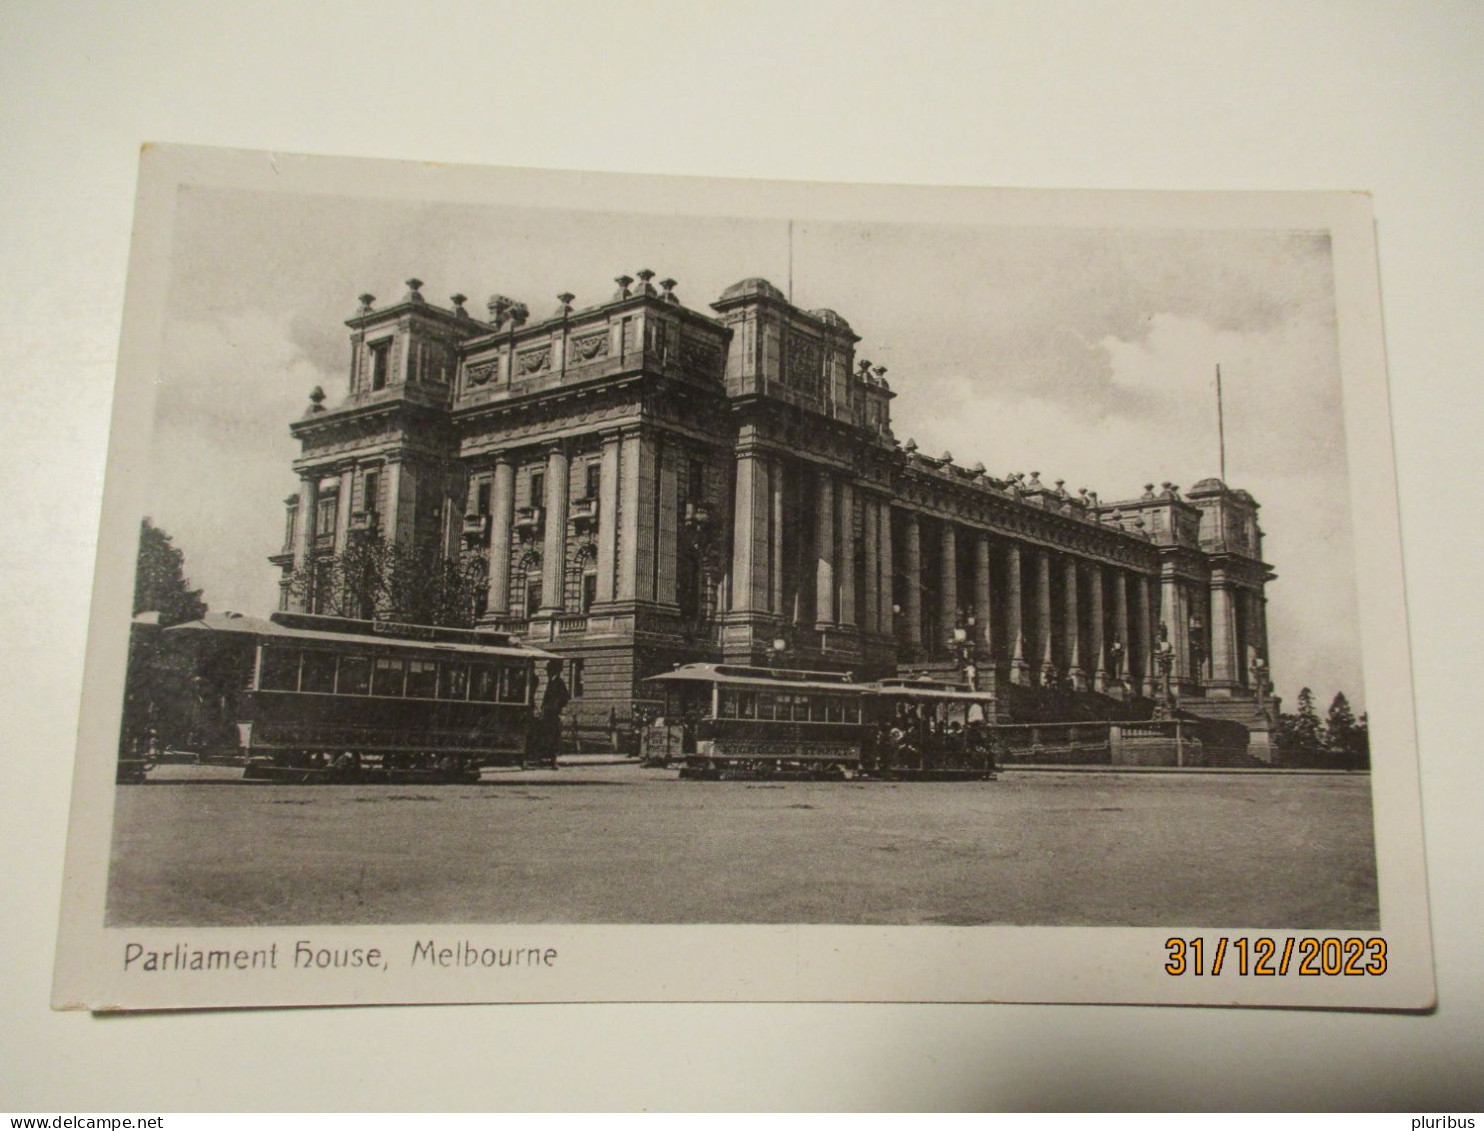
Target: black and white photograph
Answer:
pixel 908 565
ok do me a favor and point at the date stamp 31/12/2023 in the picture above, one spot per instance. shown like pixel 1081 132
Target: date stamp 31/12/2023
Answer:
pixel 1262 956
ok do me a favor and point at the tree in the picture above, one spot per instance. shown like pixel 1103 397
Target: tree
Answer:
pixel 375 579
pixel 160 584
pixel 1302 733
pixel 1345 735
pixel 1361 740
pixel 1339 726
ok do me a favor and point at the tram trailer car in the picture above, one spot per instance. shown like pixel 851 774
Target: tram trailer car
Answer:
pixel 307 698
pixel 729 721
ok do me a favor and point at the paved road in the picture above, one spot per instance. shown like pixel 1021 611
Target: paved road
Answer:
pixel 617 843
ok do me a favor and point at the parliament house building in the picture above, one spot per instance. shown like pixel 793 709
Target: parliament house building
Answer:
pixel 647 485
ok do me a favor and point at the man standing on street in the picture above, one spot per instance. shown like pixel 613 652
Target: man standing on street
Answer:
pixel 554 701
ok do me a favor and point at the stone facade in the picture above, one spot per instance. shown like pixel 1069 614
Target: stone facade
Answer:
pixel 650 485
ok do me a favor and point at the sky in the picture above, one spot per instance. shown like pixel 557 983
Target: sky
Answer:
pixel 1085 354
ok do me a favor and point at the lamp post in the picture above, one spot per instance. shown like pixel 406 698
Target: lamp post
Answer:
pixel 1164 658
pixel 1197 647
pixel 961 642
pixel 779 648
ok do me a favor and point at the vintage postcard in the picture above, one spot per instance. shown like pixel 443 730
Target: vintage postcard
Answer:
pixel 528 587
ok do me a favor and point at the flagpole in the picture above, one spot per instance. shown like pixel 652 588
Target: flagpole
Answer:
pixel 1220 423
pixel 790 260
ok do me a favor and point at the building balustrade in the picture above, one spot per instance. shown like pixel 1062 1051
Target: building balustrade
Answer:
pixel 476 529
pixel 529 519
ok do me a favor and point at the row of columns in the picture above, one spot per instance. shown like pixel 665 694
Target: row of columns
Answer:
pixel 1030 645
pixel 892 594
pixel 637 530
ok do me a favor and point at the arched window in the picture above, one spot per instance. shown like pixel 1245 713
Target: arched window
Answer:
pixel 582 579
pixel 525 589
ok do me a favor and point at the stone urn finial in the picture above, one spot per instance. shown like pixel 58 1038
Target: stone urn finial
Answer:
pixel 458 305
pixel 317 399
pixel 668 286
pixel 565 298
pixel 414 286
pixel 624 282
pixel 645 286
pixel 366 300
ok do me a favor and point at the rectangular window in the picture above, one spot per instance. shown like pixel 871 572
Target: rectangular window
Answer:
pixel 538 489
pixel 836 710
pixel 728 704
pixel 589 591
pixel 280 670
pixel 422 679
pixel 533 596
pixel 574 677
pixel 594 477
pixel 318 673
pixel 852 711
pixel 325 524
pixel 453 681
pixel 371 492
pixel 801 710
pixel 746 704
pixel 354 677
pixel 388 677
pixel 484 683
pixel 482 498
pixel 513 689
pixel 381 362
pixel 696 482
pixel 765 706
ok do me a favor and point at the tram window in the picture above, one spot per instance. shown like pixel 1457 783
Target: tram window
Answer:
pixel 387 677
pixel 280 671
pixel 729 704
pixel 484 683
pixel 852 711
pixel 801 710
pixel 318 673
pixel 746 704
pixel 453 681
pixel 819 709
pixel 513 680
pixel 355 675
pixel 765 705
pixel 422 679
pixel 837 710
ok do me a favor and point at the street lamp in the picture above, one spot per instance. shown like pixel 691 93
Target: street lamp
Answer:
pixel 779 648
pixel 961 641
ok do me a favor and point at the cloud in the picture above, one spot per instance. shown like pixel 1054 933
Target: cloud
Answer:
pixel 221 451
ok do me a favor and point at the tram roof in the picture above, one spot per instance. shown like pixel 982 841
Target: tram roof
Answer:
pixel 782 679
pixel 908 691
pixel 238 623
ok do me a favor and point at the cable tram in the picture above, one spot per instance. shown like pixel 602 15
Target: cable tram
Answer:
pixel 725 721
pixel 307 698
pixel 734 721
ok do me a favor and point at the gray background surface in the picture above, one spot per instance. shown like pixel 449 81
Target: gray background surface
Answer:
pixel 1199 96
